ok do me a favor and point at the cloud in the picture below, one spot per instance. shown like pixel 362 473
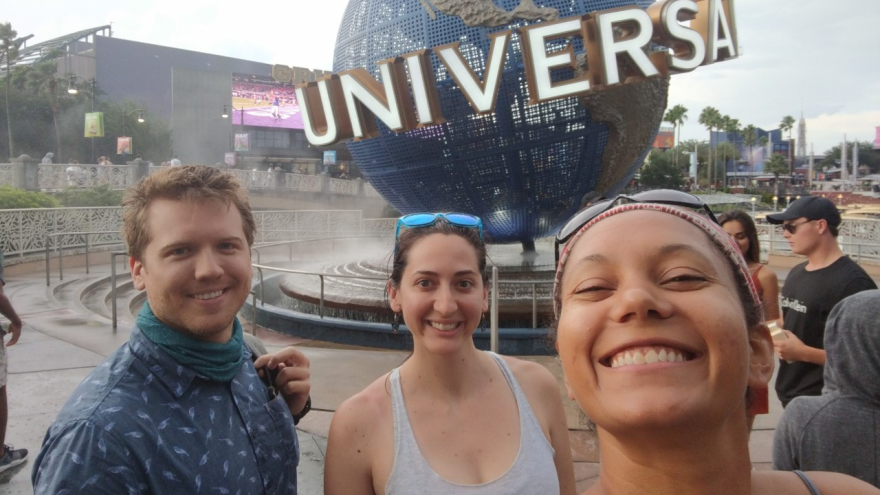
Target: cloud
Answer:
pixel 810 56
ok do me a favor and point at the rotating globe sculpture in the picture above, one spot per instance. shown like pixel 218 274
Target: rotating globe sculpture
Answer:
pixel 524 169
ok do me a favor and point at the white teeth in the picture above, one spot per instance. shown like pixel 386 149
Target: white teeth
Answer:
pixel 209 295
pixel 638 358
pixel 646 355
pixel 440 326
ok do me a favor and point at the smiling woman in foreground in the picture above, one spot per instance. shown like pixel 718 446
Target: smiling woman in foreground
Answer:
pixel 660 336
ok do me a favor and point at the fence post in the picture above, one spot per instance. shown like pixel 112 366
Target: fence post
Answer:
pixel 113 289
pixel 60 247
pixel 88 236
pixel 534 305
pixel 48 254
pixel 493 312
pixel 322 295
pixel 25 172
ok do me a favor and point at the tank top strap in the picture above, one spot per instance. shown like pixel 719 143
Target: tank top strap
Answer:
pixel 807 481
pixel 755 273
pixel 531 429
pixel 404 438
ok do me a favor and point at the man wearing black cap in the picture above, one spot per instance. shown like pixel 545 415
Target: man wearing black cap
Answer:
pixel 811 290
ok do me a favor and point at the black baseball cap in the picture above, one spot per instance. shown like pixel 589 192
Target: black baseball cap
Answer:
pixel 811 208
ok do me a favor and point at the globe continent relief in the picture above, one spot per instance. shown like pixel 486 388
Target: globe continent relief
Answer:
pixel 524 169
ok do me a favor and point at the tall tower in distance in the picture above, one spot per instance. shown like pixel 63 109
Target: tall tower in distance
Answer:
pixel 802 138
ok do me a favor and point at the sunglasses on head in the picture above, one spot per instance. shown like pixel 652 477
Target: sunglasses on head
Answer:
pixel 417 220
pixel 660 196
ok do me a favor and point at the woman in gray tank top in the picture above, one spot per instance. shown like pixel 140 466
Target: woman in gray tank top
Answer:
pixel 660 334
pixel 451 419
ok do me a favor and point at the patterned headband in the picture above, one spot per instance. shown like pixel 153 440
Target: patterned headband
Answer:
pixel 719 237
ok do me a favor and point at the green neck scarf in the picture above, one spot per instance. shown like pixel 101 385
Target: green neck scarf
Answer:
pixel 217 362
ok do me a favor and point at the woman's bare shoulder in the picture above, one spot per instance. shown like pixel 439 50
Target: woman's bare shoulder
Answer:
pixel 786 482
pixel 767 275
pixel 532 377
pixel 366 408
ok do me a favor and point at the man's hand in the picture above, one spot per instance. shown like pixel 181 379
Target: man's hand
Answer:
pixel 791 348
pixel 15 330
pixel 294 379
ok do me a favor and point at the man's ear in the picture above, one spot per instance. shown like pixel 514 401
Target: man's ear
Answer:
pixel 137 273
pixel 393 297
pixel 762 359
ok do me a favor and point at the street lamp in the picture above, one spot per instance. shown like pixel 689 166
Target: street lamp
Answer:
pixel 775 201
pixel 754 200
pixel 225 115
pixel 72 89
pixel 787 200
pixel 840 199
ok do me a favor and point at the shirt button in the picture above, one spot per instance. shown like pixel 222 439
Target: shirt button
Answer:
pixel 253 433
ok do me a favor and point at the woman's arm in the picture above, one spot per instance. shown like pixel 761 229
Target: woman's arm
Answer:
pixel 559 436
pixel 545 398
pixel 770 284
pixel 347 463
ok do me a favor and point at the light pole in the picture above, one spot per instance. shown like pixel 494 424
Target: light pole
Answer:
pixel 787 200
pixel 225 115
pixel 775 202
pixel 840 199
pixel 754 200
pixel 72 89
pixel 140 119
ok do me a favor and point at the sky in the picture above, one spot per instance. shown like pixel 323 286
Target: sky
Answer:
pixel 812 57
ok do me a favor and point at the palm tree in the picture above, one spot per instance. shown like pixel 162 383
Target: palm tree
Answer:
pixel 9 48
pixel 709 117
pixel 676 116
pixel 787 124
pixel 731 127
pixel 41 77
pixel 750 137
pixel 776 165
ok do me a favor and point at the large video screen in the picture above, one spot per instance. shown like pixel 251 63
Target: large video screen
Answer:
pixel 262 101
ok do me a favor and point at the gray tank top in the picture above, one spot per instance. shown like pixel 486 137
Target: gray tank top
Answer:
pixel 533 472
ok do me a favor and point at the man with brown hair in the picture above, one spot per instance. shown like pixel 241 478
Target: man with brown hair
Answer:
pixel 181 407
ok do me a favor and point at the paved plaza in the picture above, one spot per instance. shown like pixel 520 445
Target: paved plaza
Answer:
pixel 63 340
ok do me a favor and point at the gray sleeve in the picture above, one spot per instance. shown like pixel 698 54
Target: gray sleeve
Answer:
pixel 786 439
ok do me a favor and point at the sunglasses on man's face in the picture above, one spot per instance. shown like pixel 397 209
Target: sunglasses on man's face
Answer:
pixel 659 196
pixel 791 228
pixel 417 220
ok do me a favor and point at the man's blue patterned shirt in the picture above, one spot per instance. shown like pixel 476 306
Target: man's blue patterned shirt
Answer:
pixel 142 423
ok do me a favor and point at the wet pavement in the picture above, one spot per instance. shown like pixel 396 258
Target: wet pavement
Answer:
pixel 66 334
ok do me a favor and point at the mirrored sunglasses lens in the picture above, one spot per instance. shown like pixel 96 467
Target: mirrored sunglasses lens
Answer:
pixel 463 219
pixel 418 219
pixel 669 196
pixel 581 219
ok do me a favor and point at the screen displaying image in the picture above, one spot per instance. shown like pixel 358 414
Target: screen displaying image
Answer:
pixel 262 101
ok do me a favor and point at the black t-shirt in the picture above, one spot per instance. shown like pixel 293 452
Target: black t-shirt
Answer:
pixel 807 299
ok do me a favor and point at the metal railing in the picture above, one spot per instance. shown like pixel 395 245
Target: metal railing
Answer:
pixel 59 246
pixel 113 256
pixel 495 282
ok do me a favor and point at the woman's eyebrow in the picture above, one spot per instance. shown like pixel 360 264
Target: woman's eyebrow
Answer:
pixel 670 249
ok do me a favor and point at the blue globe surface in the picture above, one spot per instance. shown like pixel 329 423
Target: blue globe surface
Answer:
pixel 523 169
